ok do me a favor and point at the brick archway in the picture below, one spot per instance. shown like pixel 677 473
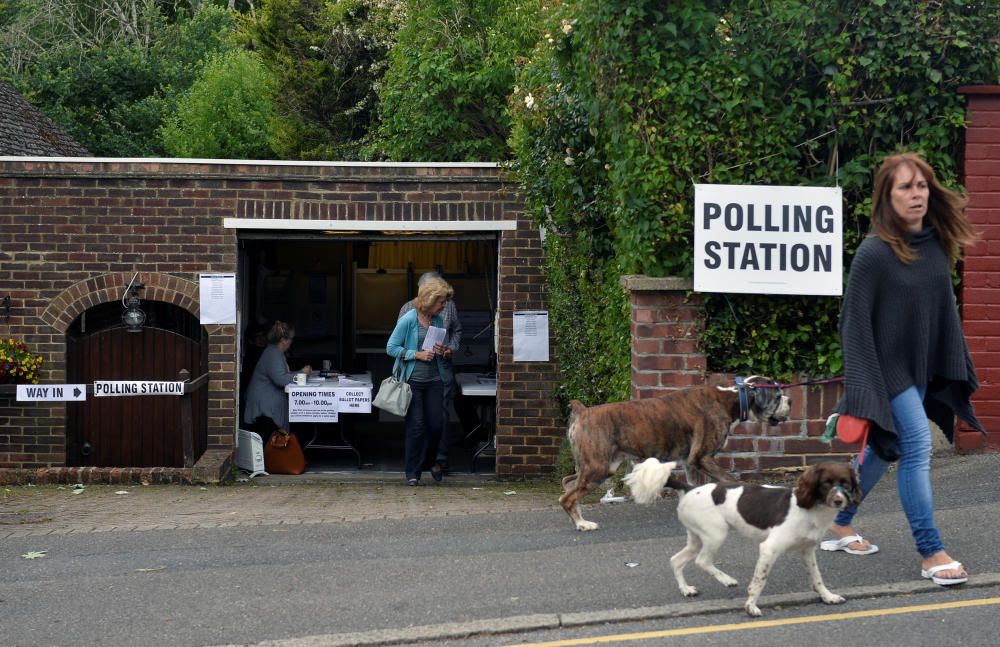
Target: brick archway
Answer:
pixel 71 302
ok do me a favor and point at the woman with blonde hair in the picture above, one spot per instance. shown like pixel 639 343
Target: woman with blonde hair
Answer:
pixel 426 371
pixel 905 355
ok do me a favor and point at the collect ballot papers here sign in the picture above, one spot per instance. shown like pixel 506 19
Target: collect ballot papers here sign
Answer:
pixel 768 239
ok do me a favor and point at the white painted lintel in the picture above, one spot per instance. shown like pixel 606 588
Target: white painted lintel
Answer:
pixel 369 225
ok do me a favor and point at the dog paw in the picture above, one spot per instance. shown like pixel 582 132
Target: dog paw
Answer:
pixel 689 591
pixel 725 580
pixel 752 609
pixel 833 598
pixel 584 525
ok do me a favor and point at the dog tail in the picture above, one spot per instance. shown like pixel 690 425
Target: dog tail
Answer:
pixel 646 480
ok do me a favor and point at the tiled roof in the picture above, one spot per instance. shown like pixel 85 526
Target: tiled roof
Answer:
pixel 25 131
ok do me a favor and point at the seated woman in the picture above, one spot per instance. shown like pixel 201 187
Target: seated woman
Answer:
pixel 267 403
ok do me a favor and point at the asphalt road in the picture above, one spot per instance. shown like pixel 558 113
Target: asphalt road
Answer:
pixel 490 570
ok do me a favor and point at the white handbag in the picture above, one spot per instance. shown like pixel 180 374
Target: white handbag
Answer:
pixel 394 395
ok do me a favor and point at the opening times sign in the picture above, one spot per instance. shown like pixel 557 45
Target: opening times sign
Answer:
pixel 768 239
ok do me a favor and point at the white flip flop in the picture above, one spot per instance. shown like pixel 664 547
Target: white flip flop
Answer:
pixel 932 574
pixel 833 545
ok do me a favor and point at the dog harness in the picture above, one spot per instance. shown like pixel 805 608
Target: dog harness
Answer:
pixel 741 387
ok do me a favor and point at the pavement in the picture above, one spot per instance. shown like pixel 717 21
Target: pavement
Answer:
pixel 965 504
pixel 343 497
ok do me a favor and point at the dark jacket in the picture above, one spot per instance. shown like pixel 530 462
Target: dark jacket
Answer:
pixel 899 327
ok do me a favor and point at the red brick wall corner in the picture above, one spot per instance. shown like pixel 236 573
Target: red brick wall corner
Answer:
pixel 981 268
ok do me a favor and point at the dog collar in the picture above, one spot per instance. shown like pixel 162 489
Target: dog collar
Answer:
pixel 741 387
pixel 848 492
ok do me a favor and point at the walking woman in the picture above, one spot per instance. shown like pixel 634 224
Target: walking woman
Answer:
pixel 905 355
pixel 427 372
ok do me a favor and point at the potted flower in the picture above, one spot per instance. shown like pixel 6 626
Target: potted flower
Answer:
pixel 18 365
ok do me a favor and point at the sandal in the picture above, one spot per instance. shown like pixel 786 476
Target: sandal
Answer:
pixel 932 574
pixel 843 543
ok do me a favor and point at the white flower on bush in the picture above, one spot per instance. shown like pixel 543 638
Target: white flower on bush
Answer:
pixel 567 26
pixel 529 102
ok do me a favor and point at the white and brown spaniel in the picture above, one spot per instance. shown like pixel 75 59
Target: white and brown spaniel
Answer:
pixel 777 518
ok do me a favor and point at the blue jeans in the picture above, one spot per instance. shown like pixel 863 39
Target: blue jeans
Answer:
pixel 424 423
pixel 913 474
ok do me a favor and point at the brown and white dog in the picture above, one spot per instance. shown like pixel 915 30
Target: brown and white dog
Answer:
pixel 776 518
pixel 691 425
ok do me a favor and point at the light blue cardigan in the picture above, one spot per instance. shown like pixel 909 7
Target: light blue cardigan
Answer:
pixel 403 342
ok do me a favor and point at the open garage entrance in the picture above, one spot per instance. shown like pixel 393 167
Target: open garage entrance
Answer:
pixel 342 292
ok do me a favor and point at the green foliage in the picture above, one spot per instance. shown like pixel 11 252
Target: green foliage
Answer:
pixel 626 104
pixel 443 97
pixel 326 57
pixel 225 113
pixel 113 96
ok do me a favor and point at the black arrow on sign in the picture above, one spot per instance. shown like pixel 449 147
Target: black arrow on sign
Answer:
pixel 76 392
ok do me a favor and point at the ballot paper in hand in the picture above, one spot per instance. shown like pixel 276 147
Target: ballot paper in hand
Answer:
pixel 435 335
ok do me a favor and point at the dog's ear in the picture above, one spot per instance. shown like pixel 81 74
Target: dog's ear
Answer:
pixel 856 487
pixel 806 486
pixel 764 396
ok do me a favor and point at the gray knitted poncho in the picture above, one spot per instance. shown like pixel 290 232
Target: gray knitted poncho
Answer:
pixel 899 327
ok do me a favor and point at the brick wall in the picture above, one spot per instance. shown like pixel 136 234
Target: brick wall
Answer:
pixel 527 408
pixel 75 232
pixel 981 270
pixel 666 322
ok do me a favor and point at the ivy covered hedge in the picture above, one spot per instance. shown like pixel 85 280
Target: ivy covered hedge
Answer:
pixel 625 104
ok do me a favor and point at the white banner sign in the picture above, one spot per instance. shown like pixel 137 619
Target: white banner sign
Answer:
pixel 768 239
pixel 107 389
pixel 325 404
pixel 51 392
pixel 354 400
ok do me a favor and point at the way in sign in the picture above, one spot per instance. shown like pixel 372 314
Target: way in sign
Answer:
pixel 40 392
pixel 51 392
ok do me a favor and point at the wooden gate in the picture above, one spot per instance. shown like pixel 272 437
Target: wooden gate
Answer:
pixel 132 431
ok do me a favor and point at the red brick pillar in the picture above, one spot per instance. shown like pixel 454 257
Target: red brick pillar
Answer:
pixel 981 270
pixel 667 319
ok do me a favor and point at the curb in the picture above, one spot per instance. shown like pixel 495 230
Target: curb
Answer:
pixel 539 622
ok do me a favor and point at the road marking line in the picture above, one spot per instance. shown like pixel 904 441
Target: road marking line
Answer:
pixel 763 624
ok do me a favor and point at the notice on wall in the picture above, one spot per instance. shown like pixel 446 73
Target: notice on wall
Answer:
pixel 531 336
pixel 768 239
pixel 218 298
pixel 313 405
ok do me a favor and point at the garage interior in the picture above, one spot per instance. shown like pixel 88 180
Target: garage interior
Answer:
pixel 342 292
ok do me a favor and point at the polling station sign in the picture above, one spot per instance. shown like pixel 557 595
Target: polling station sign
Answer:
pixel 107 388
pixel 768 239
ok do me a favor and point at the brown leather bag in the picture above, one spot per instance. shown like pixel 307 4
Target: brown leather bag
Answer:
pixel 283 454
